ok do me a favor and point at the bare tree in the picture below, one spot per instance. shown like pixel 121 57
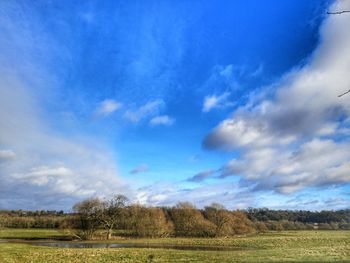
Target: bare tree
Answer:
pixel 217 214
pixel 112 213
pixel 88 212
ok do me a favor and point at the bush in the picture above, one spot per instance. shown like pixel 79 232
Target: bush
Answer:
pixel 149 222
pixel 189 221
pixel 260 227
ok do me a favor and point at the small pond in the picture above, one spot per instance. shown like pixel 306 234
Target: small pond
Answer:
pixel 70 244
pixel 122 245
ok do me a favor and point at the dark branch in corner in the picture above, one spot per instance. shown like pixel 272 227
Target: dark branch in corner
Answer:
pixel 338 13
pixel 344 93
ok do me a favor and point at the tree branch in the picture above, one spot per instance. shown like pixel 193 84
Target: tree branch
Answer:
pixel 338 13
pixel 341 95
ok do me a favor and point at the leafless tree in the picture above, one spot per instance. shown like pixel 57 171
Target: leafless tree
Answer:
pixel 217 214
pixel 88 213
pixel 112 213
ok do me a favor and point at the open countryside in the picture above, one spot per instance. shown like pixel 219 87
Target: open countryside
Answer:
pixel 174 131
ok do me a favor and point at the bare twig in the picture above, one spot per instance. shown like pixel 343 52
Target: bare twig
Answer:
pixel 344 93
pixel 338 13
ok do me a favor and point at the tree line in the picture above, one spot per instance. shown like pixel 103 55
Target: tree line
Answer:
pixel 95 217
pixel 265 214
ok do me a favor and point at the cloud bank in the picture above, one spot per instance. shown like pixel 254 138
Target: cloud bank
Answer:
pixel 298 137
pixel 39 165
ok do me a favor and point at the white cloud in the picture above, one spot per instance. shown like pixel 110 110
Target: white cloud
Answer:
pixel 162 120
pixel 48 169
pixel 42 175
pixel 194 158
pixel 7 155
pixel 46 166
pixel 168 194
pixel 227 72
pixel 213 101
pixel 107 107
pixel 316 163
pixel 149 109
pixel 235 196
pixel 291 141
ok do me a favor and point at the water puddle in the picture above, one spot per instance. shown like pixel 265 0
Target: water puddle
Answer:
pixel 119 245
pixel 70 244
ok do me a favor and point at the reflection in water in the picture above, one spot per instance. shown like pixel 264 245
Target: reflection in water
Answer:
pixel 79 245
pixel 115 245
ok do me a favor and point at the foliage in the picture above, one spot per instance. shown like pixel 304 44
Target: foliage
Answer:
pixel 87 217
pixel 183 220
pixel 189 221
pixel 149 222
pixel 228 223
pixel 264 214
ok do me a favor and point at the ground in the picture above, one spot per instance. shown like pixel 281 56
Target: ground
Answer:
pixel 288 246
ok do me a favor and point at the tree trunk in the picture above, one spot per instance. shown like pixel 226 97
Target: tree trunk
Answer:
pixel 109 233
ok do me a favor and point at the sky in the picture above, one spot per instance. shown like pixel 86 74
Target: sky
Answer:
pixel 234 102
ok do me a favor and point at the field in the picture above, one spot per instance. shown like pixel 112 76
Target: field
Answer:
pixel 291 246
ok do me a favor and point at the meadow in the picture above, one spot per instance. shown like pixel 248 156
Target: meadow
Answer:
pixel 286 246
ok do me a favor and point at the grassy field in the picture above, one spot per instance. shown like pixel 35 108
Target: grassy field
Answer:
pixel 293 246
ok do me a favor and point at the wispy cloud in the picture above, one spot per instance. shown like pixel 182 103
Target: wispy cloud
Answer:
pixel 166 194
pixel 44 163
pixel 162 120
pixel 7 155
pixel 201 176
pixel 44 166
pixel 142 168
pixel 194 158
pixel 149 109
pixel 216 101
pixel 107 107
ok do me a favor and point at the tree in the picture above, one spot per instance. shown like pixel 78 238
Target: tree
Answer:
pixel 260 227
pixel 338 12
pixel 149 222
pixel 217 214
pixel 112 213
pixel 87 214
pixel 241 223
pixel 189 221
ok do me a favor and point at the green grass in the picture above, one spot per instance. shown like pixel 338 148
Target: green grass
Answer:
pixel 15 233
pixel 293 246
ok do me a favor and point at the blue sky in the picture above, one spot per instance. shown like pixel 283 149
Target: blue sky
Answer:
pixel 165 101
